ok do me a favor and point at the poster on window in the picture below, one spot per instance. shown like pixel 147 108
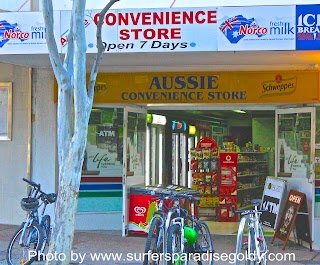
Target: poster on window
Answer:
pixel 5 110
pixel 104 143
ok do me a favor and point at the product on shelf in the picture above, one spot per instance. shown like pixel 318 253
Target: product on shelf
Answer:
pixel 253 170
pixel 204 164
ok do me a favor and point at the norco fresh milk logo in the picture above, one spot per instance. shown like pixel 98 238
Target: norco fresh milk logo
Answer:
pixel 10 31
pixel 278 86
pixel 237 27
pixel 140 211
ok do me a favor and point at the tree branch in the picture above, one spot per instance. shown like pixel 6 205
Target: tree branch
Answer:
pixel 68 60
pixel 64 83
pixel 79 66
pixel 52 46
pixel 101 48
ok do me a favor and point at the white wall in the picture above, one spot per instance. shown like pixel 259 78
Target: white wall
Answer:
pixel 44 128
pixel 14 154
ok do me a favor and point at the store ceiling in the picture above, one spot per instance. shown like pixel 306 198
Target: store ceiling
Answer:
pixel 187 61
pixel 193 62
pixel 213 115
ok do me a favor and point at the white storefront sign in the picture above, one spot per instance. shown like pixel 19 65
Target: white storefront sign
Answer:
pixel 24 33
pixel 271 200
pixel 256 28
pixel 150 30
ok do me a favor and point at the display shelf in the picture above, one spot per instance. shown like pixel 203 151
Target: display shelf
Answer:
pixel 255 162
pixel 248 175
pixel 247 162
pixel 255 187
pixel 205 174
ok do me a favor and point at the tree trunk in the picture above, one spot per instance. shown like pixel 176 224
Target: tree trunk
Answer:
pixel 74 108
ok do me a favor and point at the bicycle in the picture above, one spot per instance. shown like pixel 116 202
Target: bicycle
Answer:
pixel 155 244
pixel 33 236
pixel 188 235
pixel 253 244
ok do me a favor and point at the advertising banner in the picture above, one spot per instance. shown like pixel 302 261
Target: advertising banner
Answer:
pixel 308 27
pixel 256 28
pixel 271 200
pixel 149 30
pixel 207 87
pixel 24 33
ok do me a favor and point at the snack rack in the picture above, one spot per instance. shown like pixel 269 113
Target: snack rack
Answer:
pixel 205 176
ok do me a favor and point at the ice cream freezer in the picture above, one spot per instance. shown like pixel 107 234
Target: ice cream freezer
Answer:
pixel 142 207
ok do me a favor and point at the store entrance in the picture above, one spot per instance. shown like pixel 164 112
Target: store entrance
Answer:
pixel 268 142
pixel 248 133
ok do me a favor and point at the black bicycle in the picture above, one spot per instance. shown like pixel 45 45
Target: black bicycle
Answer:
pixel 31 239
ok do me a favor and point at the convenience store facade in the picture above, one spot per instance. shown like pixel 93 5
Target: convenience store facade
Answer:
pixel 135 92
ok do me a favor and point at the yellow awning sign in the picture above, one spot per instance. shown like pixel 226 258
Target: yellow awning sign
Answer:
pixel 208 87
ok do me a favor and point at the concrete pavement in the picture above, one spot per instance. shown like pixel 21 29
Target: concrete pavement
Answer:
pixel 129 249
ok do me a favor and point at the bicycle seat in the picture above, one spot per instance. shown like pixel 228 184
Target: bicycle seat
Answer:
pixel 256 201
pixel 194 199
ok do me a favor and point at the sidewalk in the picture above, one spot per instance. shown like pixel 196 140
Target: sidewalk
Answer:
pixel 112 242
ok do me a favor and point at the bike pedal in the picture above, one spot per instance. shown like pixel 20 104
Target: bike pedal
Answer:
pixel 245 243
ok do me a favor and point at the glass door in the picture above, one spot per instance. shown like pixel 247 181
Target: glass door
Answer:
pixel 134 149
pixel 179 159
pixel 295 152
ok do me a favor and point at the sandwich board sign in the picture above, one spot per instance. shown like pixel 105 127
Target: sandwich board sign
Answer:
pixel 295 214
pixel 271 201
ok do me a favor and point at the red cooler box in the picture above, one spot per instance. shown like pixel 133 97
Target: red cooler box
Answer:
pixel 141 208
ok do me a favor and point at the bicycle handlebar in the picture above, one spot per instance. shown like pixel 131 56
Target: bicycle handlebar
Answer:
pixel 49 198
pixel 246 212
pixel 37 186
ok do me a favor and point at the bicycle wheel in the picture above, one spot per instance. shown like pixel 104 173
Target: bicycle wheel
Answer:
pixel 26 252
pixel 175 249
pixel 263 249
pixel 46 222
pixel 252 258
pixel 204 245
pixel 242 250
pixel 154 242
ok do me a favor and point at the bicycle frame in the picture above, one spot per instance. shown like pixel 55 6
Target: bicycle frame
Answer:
pixel 252 218
pixel 180 221
pixel 32 216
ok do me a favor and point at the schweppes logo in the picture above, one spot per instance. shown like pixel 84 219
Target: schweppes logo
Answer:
pixel 278 86
pixel 100 88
